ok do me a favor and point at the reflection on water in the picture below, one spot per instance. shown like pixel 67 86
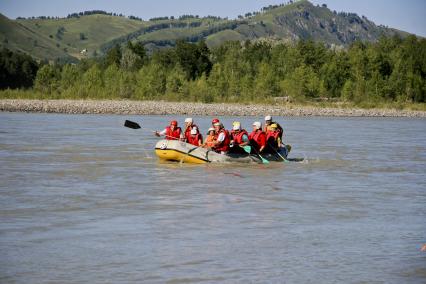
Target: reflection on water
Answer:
pixel 83 199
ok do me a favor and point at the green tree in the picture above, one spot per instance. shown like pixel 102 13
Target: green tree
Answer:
pixel 113 56
pixel 264 83
pixel 130 61
pixel 69 76
pixel 193 58
pixel 138 49
pixel 47 79
pixel 150 82
pixel 92 84
pixel 176 84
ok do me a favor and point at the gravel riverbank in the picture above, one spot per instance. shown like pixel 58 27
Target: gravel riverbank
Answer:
pixel 182 108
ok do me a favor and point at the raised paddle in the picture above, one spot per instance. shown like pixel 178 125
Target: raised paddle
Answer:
pixel 131 124
pixel 134 125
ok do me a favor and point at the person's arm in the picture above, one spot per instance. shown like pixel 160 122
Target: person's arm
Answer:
pixel 161 133
pixel 220 139
pixel 262 141
pixel 281 131
pixel 279 142
pixel 245 140
pixel 182 136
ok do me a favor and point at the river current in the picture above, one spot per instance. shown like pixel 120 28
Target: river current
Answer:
pixel 85 200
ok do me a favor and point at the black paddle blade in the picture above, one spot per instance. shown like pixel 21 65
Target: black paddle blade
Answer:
pixel 131 124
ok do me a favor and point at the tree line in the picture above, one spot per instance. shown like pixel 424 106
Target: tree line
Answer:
pixel 390 70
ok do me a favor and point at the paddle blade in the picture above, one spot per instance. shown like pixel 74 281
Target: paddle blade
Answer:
pixel 263 159
pixel 131 124
pixel 247 148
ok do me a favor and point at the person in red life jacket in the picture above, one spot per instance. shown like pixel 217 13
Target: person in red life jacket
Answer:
pixel 195 137
pixel 215 120
pixel 257 138
pixel 239 138
pixel 189 125
pixel 221 145
pixel 172 132
pixel 269 122
pixel 273 140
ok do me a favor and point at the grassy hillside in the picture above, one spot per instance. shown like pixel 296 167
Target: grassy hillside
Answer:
pixel 15 36
pixel 52 38
pixel 87 32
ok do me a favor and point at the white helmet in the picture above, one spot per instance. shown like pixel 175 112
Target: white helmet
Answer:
pixel 194 131
pixel 268 117
pixel 257 124
pixel 189 120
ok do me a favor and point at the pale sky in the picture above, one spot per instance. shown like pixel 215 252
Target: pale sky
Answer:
pixel 407 15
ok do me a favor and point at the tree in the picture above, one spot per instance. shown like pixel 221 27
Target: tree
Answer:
pixel 150 82
pixel 264 84
pixel 113 56
pixel 69 76
pixel 176 84
pixel 17 70
pixel 138 49
pixel 130 61
pixel 47 79
pixel 92 82
pixel 193 58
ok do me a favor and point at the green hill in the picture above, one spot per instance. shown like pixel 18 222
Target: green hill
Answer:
pixel 86 32
pixel 16 36
pixel 97 33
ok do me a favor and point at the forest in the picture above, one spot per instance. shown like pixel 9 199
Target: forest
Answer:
pixel 391 70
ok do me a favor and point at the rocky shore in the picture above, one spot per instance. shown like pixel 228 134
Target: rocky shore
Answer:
pixel 179 108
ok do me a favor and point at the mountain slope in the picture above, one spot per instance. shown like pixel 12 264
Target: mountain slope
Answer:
pixel 52 38
pixel 86 32
pixel 15 36
pixel 303 20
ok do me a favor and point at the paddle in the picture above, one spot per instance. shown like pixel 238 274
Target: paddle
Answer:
pixel 134 125
pixel 131 124
pixel 264 161
pixel 282 157
pixel 247 148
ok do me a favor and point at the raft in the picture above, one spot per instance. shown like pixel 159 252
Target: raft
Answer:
pixel 173 150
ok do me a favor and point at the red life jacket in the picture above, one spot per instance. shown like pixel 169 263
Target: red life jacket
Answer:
pixel 238 137
pixel 272 134
pixel 272 138
pixel 188 131
pixel 173 135
pixel 224 145
pixel 194 140
pixel 258 139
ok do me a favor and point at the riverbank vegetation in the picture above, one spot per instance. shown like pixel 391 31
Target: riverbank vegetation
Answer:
pixel 388 73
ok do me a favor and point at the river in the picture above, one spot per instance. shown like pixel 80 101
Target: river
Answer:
pixel 85 200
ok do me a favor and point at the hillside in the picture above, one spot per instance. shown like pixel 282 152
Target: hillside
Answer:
pixel 86 32
pixel 18 37
pixel 52 38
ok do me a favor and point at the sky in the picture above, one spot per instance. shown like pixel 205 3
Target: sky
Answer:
pixel 407 15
